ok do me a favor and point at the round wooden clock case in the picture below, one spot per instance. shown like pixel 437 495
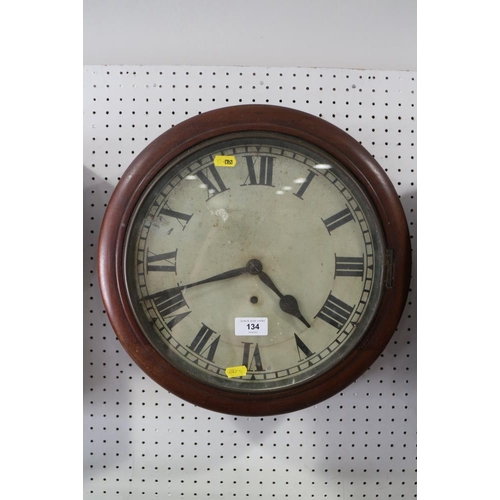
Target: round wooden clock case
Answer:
pixel 254 260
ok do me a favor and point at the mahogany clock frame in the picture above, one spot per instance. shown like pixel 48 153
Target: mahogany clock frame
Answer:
pixel 176 141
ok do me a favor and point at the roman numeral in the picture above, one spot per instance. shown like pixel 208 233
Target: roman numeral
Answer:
pixel 164 262
pixel 181 218
pixel 214 188
pixel 199 344
pixel 301 347
pixel 255 359
pixel 352 267
pixel 168 301
pixel 338 220
pixel 176 318
pixel 305 185
pixel 335 312
pixel 264 176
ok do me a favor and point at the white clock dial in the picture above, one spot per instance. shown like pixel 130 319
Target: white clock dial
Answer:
pixel 282 242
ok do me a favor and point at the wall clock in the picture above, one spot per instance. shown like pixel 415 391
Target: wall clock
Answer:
pixel 254 260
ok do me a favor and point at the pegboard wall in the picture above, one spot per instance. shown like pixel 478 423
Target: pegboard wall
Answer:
pixel 141 441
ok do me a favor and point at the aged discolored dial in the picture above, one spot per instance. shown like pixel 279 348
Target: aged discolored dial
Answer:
pixel 282 234
pixel 251 266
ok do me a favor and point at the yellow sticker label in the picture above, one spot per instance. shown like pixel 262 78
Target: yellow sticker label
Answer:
pixel 225 161
pixel 236 371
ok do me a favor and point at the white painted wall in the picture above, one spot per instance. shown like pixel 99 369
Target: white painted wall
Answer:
pixel 363 34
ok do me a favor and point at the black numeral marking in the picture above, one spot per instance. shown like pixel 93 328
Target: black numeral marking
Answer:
pixel 256 360
pixel 305 185
pixel 176 318
pixel 169 301
pixel 165 262
pixel 201 345
pixel 264 176
pixel 301 347
pixel 181 218
pixel 217 186
pixel 352 267
pixel 338 220
pixel 335 312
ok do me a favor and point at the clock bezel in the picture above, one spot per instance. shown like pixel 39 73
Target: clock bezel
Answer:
pixel 256 118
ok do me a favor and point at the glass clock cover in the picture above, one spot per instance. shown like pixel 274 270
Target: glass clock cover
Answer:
pixel 254 260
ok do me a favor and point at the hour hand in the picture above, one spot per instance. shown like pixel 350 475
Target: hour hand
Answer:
pixel 288 303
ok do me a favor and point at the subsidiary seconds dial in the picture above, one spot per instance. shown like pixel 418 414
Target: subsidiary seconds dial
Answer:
pixel 256 264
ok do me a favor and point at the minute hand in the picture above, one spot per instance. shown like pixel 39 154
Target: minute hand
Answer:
pixel 218 277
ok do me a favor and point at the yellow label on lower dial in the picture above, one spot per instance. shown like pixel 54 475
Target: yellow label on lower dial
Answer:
pixel 236 371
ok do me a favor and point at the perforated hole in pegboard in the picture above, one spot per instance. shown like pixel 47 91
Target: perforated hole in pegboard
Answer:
pixel 141 441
